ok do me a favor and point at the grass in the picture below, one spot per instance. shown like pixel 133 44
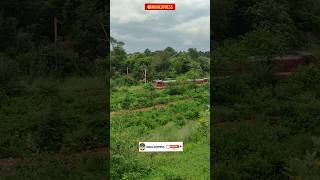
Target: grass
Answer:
pixel 259 130
pixel 181 121
pixel 54 117
pixel 190 164
pixel 139 97
pixel 93 167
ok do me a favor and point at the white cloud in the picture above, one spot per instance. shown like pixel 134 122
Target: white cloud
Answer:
pixel 194 3
pixel 188 26
pixel 194 27
pixel 130 37
pixel 124 11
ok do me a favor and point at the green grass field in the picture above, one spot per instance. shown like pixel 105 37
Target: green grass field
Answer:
pixel 261 131
pixel 183 116
pixel 54 129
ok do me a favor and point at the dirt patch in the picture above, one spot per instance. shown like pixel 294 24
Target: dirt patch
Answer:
pixel 249 122
pixel 12 163
pixel 157 106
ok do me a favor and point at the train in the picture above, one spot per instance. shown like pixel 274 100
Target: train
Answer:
pixel 162 84
pixel 284 65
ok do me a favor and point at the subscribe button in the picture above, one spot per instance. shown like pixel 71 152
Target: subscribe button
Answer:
pixel 160 146
pixel 160 6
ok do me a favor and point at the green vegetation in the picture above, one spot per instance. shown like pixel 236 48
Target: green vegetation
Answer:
pixel 258 133
pixel 85 166
pixel 184 120
pixel 264 126
pixel 140 112
pixel 53 93
pixel 50 118
pixel 167 63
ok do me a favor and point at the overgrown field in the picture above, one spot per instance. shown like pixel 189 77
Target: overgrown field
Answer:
pixel 267 127
pixel 45 122
pixel 183 116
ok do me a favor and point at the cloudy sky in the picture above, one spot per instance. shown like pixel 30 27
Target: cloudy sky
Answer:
pixel 188 26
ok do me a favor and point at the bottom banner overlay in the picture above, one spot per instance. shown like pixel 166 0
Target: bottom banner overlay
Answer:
pixel 160 146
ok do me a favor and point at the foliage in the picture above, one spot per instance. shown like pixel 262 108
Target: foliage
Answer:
pixel 175 120
pixel 52 96
pixel 8 71
pixel 159 64
pixel 262 123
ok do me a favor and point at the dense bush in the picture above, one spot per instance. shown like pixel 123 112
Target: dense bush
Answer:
pixel 230 91
pixel 283 113
pixel 175 90
pixel 171 122
pixel 8 71
pixel 307 77
pixel 50 132
pixel 248 152
pixel 123 81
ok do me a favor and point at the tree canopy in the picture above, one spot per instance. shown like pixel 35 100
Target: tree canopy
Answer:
pixel 167 63
pixel 27 36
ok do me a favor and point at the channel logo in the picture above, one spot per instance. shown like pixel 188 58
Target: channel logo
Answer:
pixel 160 6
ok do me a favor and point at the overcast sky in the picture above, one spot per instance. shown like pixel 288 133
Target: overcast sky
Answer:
pixel 186 27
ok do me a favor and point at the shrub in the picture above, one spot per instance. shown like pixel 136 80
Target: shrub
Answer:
pixel 308 166
pixel 230 91
pixel 226 115
pixel 126 102
pixel 248 152
pixel 124 169
pixel 51 60
pixel 123 81
pixel 307 77
pixel 261 74
pixel 149 86
pixel 50 131
pixel 46 89
pixel 8 71
pixel 175 90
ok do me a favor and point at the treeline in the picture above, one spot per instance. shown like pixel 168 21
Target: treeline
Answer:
pixel 264 126
pixel 290 19
pixel 243 28
pixel 27 41
pixel 168 63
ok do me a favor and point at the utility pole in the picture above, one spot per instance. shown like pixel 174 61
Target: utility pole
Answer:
pixel 55 23
pixel 145 75
pixel 55 26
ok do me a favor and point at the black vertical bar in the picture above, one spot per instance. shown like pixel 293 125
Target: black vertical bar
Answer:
pixel 107 13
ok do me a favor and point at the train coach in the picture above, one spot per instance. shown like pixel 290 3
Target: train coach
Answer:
pixel 162 84
pixel 283 65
